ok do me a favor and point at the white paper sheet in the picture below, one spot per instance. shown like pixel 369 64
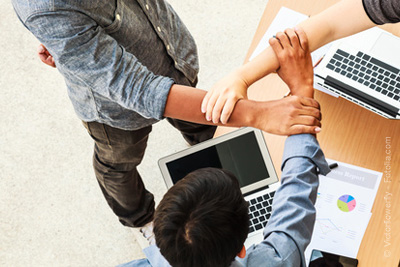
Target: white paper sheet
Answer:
pixel 344 202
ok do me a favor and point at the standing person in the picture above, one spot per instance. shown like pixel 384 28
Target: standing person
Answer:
pixel 128 64
pixel 355 16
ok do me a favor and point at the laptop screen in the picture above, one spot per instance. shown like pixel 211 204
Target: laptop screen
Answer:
pixel 240 155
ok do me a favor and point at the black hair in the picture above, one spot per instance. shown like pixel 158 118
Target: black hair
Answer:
pixel 202 220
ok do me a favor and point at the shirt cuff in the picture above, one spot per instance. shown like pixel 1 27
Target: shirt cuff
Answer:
pixel 305 145
pixel 155 257
pixel 159 101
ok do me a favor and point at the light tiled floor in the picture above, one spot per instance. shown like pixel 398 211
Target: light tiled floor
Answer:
pixel 52 212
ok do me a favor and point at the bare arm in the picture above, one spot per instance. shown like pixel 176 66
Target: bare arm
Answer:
pixel 333 23
pixel 286 116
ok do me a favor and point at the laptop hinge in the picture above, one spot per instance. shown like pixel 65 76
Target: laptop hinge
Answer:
pixel 255 191
pixel 347 89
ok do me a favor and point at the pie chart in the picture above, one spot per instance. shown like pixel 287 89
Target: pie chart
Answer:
pixel 346 203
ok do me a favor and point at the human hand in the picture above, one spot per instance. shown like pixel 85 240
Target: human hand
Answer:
pixel 45 56
pixel 288 116
pixel 221 99
pixel 296 70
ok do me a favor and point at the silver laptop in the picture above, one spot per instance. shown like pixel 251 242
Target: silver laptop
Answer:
pixel 245 154
pixel 365 69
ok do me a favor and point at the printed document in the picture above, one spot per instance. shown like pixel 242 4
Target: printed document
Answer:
pixel 344 202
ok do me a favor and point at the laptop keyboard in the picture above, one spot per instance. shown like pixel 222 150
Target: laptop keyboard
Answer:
pixel 259 211
pixel 368 71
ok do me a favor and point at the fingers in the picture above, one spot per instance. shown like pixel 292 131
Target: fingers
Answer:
pixel 220 100
pixel 302 37
pixel 276 45
pixel 41 49
pixel 305 116
pixel 307 121
pixel 45 56
pixel 204 103
pixel 302 129
pixel 305 124
pixel 310 107
pixel 42 53
pixel 294 39
pixel 210 106
pixel 216 111
pixel 228 109
pixel 283 39
pixel 310 102
pixel 311 111
pixel 223 108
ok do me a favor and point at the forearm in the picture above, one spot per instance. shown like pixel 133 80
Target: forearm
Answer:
pixel 184 103
pixel 293 211
pixel 293 207
pixel 285 116
pixel 262 65
pixel 343 19
pixel 321 29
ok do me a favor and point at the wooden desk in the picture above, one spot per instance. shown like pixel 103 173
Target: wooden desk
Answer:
pixel 349 134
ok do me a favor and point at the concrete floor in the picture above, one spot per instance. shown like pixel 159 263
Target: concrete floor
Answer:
pixel 52 212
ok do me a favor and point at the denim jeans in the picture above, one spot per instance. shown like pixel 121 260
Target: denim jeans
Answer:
pixel 117 153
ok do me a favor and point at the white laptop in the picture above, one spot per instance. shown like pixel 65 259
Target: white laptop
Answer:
pixel 245 154
pixel 365 69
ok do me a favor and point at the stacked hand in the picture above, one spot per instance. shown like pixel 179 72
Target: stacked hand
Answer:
pixel 221 99
pixel 296 114
pixel 291 115
pixel 295 62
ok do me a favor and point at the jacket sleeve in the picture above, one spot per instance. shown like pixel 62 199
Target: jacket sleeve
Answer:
pixel 85 54
pixel 290 226
pixel 382 11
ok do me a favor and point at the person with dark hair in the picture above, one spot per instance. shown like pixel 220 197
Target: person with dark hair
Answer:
pixel 198 216
pixel 202 220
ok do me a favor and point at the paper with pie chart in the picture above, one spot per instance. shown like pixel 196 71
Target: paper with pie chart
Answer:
pixel 344 201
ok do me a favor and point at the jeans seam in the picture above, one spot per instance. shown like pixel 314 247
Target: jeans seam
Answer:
pixel 106 135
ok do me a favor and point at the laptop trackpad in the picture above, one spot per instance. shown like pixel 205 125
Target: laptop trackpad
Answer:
pixel 386 48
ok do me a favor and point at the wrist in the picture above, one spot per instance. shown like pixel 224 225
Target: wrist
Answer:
pixel 258 115
pixel 247 112
pixel 302 90
pixel 240 74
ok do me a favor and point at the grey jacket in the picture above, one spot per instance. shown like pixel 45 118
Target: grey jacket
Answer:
pixel 119 58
